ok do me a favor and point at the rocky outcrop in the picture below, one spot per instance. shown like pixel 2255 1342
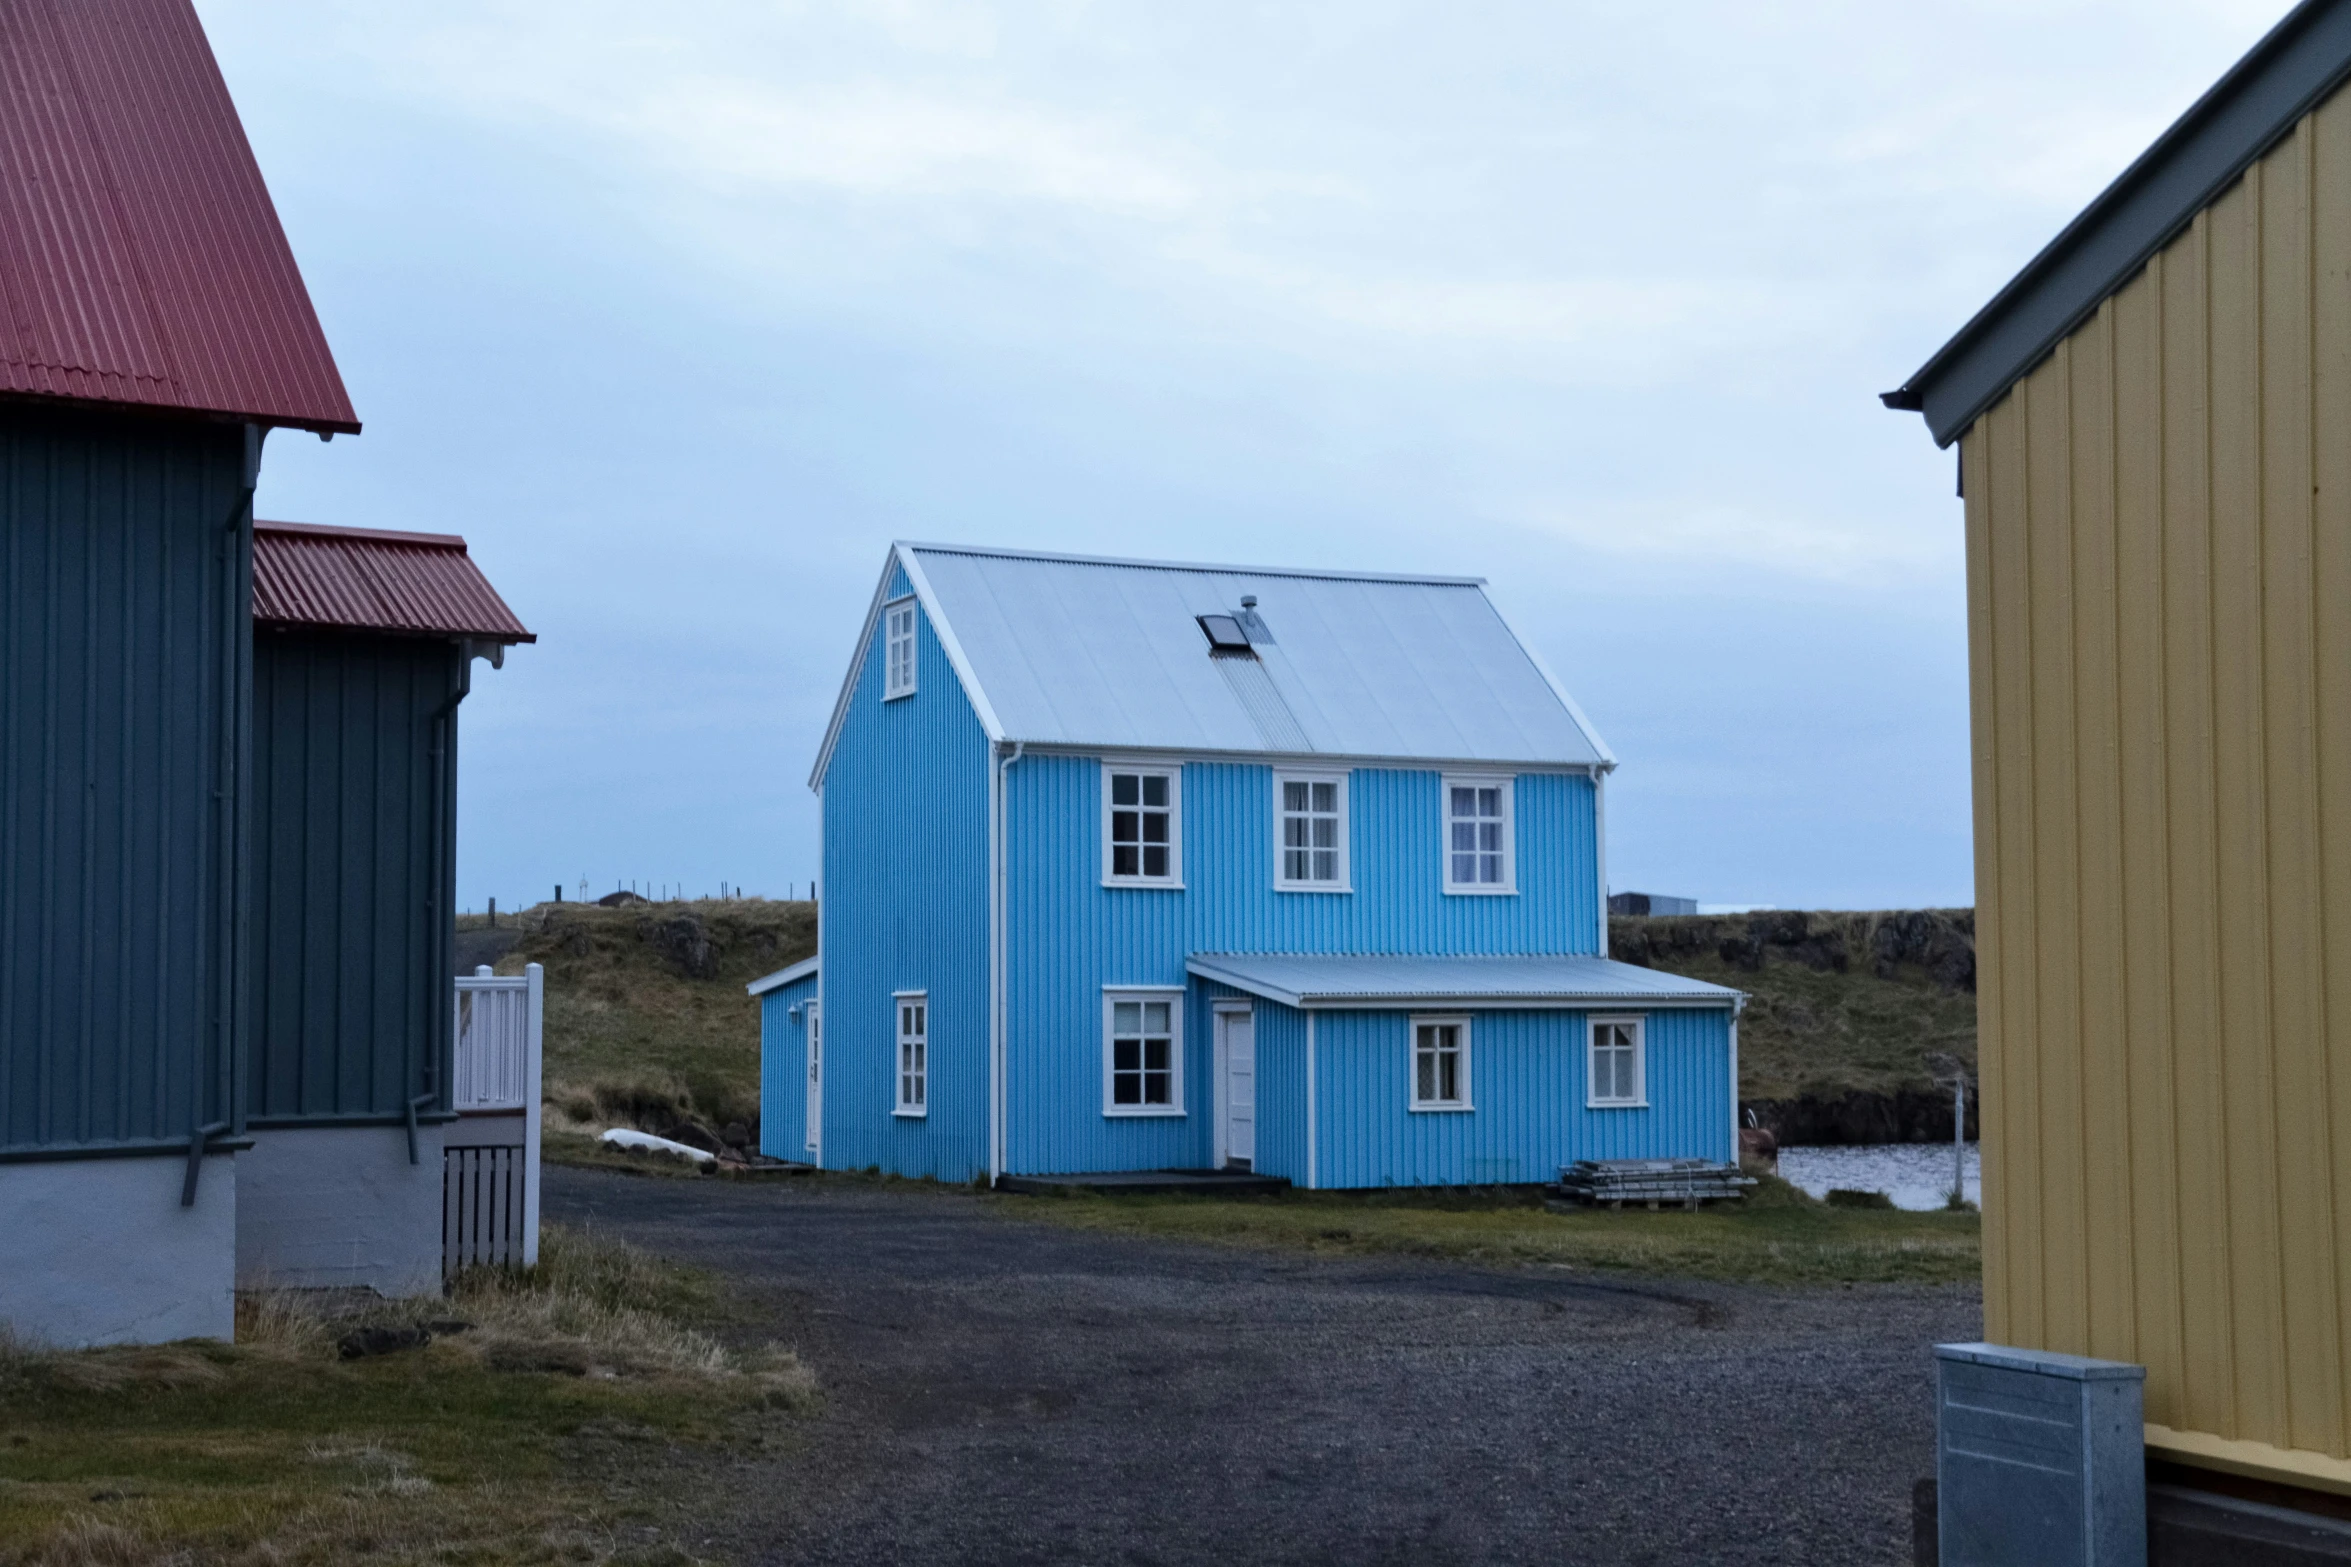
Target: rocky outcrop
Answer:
pixel 1939 942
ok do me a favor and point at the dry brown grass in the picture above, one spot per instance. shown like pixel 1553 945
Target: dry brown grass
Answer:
pixel 583 1407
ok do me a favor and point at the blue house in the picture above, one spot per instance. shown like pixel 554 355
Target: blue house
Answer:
pixel 1140 866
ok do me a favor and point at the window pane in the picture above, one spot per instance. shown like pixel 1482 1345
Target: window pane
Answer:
pixel 1155 1089
pixel 1123 788
pixel 1155 1055
pixel 1465 835
pixel 1465 802
pixel 1425 1072
pixel 1127 1089
pixel 1293 865
pixel 1326 832
pixel 1155 789
pixel 919 1009
pixel 1490 869
pixel 1449 1076
pixel 1155 827
pixel 1489 802
pixel 1294 830
pixel 1125 826
pixel 1155 862
pixel 1326 796
pixel 1326 865
pixel 1126 1017
pixel 1154 1017
pixel 1293 796
pixel 1465 868
pixel 1490 837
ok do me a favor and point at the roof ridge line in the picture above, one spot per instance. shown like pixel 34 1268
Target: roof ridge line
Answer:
pixel 328 530
pixel 1205 568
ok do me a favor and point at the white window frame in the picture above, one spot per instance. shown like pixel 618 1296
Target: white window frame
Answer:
pixel 1507 783
pixel 920 1106
pixel 1413 1025
pixel 1640 1030
pixel 898 675
pixel 1173 995
pixel 1173 772
pixel 1282 881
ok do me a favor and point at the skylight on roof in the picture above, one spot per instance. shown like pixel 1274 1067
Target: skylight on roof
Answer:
pixel 1224 634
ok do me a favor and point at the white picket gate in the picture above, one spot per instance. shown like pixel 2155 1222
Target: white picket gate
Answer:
pixel 490 1170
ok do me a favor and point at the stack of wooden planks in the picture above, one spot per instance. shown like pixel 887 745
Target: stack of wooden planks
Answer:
pixel 1649 1182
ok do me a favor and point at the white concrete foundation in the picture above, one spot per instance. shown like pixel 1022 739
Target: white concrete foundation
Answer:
pixel 99 1251
pixel 340 1207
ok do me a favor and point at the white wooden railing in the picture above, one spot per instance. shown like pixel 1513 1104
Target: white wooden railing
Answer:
pixel 490 1177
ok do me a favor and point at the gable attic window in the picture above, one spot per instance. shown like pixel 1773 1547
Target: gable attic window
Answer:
pixel 898 649
pixel 1226 639
pixel 1142 826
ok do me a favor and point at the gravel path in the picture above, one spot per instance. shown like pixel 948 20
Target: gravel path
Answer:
pixel 1009 1391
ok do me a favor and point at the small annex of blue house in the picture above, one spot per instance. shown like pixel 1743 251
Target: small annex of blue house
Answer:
pixel 1135 865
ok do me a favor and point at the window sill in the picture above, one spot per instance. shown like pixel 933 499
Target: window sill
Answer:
pixel 1146 1113
pixel 1312 886
pixel 1481 892
pixel 1138 884
pixel 910 1115
pixel 1443 1109
pixel 1616 1104
pixel 898 696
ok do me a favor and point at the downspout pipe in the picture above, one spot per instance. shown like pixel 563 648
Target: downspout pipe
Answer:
pixel 440 905
pixel 232 811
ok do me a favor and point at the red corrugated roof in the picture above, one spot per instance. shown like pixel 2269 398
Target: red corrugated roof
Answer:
pixel 141 261
pixel 362 579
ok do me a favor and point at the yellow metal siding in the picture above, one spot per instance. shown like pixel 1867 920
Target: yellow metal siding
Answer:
pixel 2159 581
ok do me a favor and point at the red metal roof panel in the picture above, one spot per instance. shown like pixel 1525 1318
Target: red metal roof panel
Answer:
pixel 365 579
pixel 141 259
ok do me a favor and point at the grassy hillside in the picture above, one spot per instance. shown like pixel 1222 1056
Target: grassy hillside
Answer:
pixel 647 1022
pixel 1844 1010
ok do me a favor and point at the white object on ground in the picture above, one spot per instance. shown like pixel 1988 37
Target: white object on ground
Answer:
pixel 646 1142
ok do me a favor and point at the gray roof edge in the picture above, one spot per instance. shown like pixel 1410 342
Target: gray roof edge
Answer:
pixel 2294 66
pixel 781 977
pixel 1414 579
pixel 1224 968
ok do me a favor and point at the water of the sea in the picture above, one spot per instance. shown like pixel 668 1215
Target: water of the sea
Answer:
pixel 1914 1175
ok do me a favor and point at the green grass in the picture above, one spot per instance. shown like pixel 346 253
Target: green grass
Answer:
pixel 1775 1236
pixel 589 1400
pixel 1813 1030
pixel 634 1034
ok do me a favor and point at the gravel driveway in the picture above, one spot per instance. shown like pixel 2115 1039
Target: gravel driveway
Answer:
pixel 1010 1391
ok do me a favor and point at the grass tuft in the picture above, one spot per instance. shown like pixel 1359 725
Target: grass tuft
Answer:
pixel 542 1422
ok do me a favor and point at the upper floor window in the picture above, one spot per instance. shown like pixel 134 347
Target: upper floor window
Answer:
pixel 1477 835
pixel 1142 1052
pixel 1619 1075
pixel 1310 837
pixel 914 1052
pixel 898 649
pixel 1142 831
pixel 1440 1063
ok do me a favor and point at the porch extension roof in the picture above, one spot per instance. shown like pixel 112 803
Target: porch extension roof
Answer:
pixel 1317 983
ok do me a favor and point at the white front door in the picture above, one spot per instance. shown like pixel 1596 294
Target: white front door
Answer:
pixel 815 1078
pixel 1239 1057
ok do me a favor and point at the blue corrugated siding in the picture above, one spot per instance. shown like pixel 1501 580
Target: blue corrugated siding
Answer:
pixel 783 1071
pixel 1070 937
pixel 1281 1092
pixel 125 570
pixel 353 874
pixel 1527 1081
pixel 905 907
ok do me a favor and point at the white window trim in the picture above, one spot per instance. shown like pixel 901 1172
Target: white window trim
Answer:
pixel 1640 1028
pixel 1281 883
pixel 1173 995
pixel 1174 773
pixel 891 691
pixel 1418 1105
pixel 922 1111
pixel 1508 783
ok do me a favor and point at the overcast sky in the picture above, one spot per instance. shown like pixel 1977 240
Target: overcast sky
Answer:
pixel 681 313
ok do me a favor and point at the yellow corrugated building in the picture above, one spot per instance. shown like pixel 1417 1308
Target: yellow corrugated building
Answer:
pixel 2154 432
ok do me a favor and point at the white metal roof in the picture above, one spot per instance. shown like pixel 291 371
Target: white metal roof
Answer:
pixel 781 977
pixel 1311 982
pixel 1075 650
